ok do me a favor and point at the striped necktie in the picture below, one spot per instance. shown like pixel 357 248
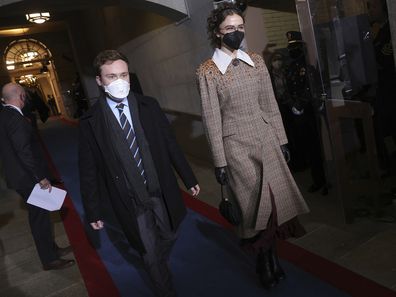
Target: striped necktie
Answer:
pixel 131 139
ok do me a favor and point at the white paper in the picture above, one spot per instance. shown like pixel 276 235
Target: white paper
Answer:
pixel 46 200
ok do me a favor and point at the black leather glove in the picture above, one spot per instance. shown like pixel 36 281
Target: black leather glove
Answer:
pixel 221 175
pixel 286 152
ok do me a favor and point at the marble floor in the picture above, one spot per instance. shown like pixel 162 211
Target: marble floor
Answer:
pixel 20 269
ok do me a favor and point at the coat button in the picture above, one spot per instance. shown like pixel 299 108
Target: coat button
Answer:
pixel 116 177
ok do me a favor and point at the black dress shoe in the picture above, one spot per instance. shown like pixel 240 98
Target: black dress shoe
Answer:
pixel 264 270
pixel 277 270
pixel 58 264
pixel 63 251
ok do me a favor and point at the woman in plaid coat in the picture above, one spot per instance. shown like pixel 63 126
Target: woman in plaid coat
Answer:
pixel 247 140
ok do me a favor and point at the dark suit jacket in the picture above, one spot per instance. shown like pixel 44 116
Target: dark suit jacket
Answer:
pixel 101 177
pixel 20 151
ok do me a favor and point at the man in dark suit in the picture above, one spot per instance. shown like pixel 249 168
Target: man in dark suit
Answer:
pixel 24 166
pixel 126 155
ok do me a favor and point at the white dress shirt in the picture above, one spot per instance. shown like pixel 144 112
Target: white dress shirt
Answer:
pixel 14 107
pixel 222 59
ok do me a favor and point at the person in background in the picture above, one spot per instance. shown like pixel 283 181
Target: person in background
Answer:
pixel 24 167
pixel 35 104
pixel 300 111
pixel 247 141
pixel 384 103
pixel 79 97
pixel 277 69
pixel 52 104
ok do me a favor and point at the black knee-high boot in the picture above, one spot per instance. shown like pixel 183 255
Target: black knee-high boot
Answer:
pixel 277 270
pixel 264 269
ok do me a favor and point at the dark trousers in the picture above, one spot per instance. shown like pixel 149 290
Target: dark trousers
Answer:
pixel 158 239
pixel 41 229
pixel 304 142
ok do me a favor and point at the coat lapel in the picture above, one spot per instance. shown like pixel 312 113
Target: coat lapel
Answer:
pixel 100 131
pixel 140 108
pixel 97 124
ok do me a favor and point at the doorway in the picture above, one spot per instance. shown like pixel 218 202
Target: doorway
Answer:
pixel 29 62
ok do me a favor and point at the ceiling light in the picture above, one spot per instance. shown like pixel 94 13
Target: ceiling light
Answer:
pixel 28 56
pixel 10 65
pixel 38 17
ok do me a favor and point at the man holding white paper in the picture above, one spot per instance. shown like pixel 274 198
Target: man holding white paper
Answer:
pixel 50 200
pixel 24 167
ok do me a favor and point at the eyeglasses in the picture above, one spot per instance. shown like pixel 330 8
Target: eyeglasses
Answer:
pixel 229 29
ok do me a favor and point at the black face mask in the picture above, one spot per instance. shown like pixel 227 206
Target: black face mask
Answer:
pixel 234 39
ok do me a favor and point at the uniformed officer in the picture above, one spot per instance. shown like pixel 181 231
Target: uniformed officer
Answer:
pixel 384 105
pixel 302 125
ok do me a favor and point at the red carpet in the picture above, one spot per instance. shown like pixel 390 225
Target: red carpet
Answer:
pixel 332 273
pixel 98 281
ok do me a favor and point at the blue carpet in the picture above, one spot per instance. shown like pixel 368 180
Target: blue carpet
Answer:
pixel 206 260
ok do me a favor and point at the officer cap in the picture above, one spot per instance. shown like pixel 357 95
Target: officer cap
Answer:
pixel 293 37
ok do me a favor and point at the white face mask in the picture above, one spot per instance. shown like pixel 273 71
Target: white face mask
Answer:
pixel 118 89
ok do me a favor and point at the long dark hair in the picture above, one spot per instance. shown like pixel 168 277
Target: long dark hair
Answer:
pixel 216 17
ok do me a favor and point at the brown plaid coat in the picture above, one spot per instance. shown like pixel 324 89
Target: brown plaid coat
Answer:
pixel 245 130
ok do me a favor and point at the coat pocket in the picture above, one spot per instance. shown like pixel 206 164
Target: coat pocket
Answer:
pixel 229 129
pixel 228 135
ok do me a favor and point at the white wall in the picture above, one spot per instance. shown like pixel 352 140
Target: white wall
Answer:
pixel 5 2
pixel 256 37
pixel 179 5
pixel 277 23
pixel 166 59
